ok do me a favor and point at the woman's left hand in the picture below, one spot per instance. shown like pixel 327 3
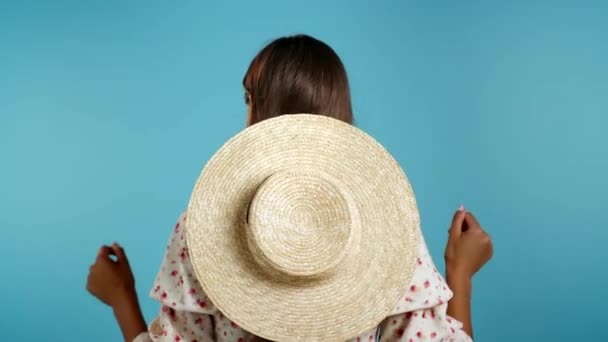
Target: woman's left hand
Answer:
pixel 111 280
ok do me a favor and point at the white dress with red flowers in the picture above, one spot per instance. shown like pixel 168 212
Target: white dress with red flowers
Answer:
pixel 187 315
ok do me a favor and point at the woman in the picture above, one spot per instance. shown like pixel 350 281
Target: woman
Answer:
pixel 291 75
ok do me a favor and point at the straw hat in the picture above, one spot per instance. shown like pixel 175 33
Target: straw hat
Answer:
pixel 303 227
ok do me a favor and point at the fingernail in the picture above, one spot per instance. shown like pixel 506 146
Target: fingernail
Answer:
pixel 461 208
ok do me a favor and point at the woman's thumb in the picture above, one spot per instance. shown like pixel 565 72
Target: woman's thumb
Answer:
pixel 457 222
pixel 119 252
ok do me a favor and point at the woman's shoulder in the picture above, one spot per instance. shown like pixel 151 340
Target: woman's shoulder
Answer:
pixel 176 284
pixel 427 288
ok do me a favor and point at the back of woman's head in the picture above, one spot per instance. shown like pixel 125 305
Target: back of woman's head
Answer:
pixel 297 74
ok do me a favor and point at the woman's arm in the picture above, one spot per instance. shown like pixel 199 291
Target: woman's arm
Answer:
pixel 469 248
pixel 421 314
pixel 129 316
pixel 459 307
pixel 186 313
pixel 112 282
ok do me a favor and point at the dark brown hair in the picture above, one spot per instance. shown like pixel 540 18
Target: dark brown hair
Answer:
pixel 297 74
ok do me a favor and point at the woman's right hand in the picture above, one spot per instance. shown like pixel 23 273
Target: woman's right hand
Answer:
pixel 469 247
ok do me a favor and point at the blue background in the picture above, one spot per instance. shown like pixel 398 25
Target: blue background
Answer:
pixel 109 110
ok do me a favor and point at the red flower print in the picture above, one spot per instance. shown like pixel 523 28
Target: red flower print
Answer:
pixel 408 299
pixel 163 295
pixel 192 291
pixel 173 273
pixel 202 304
pixel 453 330
pixel 167 310
pixel 157 288
pixel 182 254
pixel 177 338
pixel 433 314
pixel 408 315
pixel 419 334
pixel 394 321
pixel 419 262
pixel 240 339
pixel 399 332
pixel 449 320
pixel 177 227
pixel 198 321
pixel 427 284
pixel 234 325
pixel 433 334
pixel 413 288
pixel 423 314
pixel 225 333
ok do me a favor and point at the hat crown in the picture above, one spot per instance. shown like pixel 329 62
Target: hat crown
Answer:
pixel 301 224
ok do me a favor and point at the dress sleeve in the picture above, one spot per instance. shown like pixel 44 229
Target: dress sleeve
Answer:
pixel 186 313
pixel 422 313
pixel 143 337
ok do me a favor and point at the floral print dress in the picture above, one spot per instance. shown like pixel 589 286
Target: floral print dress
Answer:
pixel 187 315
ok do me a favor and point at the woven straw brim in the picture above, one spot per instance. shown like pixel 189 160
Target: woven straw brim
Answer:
pixel 372 277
